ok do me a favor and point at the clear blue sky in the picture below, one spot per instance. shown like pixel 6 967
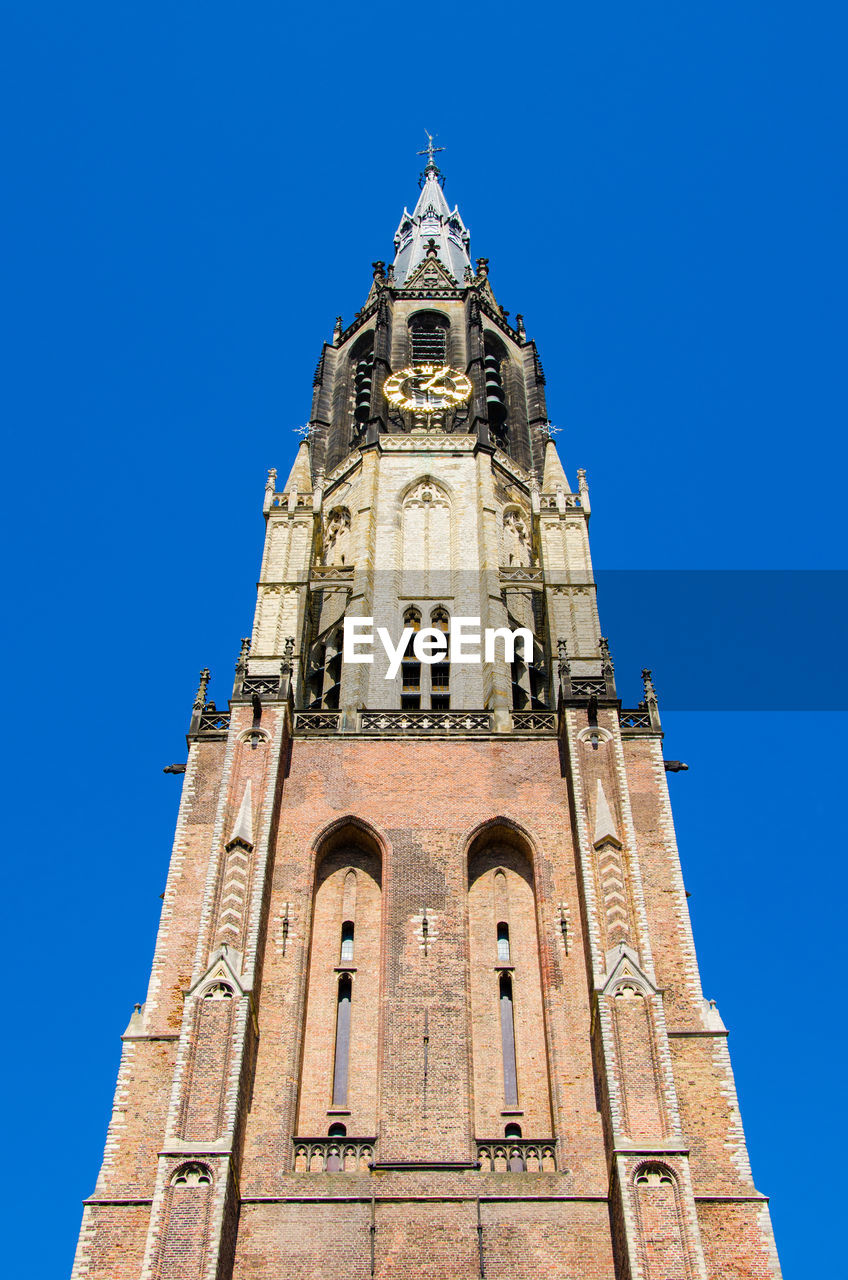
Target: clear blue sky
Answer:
pixel 192 193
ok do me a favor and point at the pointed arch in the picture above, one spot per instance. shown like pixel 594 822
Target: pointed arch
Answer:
pixel 505 977
pixel 339 1060
pixel 443 491
pixel 429 333
pixel 501 827
pixel 350 828
pixel 425 538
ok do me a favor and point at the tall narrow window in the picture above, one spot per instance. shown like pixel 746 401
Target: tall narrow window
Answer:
pixel 440 671
pixel 340 1070
pixel 507 1014
pixel 495 394
pixel 429 339
pixel 345 959
pixel 364 370
pixel 410 698
pixel 508 1042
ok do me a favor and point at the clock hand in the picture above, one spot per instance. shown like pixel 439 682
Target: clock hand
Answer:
pixel 435 378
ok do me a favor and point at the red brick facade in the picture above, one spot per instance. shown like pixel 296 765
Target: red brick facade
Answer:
pixel 229 1063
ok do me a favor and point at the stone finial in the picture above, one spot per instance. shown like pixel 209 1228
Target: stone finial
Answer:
pixel 519 326
pixel 337 331
pixel 469 276
pixel 270 489
pixel 483 267
pixel 562 654
pixel 241 664
pixel 390 274
pixel 379 269
pixel 202 689
pixel 583 490
pixel 603 645
pixel 651 702
pixel 288 654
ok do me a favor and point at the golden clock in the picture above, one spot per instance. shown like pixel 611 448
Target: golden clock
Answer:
pixel 428 388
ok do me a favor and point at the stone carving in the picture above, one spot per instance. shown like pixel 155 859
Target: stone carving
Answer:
pixel 192 1175
pixel 427 494
pixel 337 536
pixel 516 539
pixel 218 991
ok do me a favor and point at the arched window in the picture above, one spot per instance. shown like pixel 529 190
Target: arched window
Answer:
pixel 510 1076
pixel 338 1072
pixel 410 698
pixel 428 335
pixel 512 1131
pixel 507 1010
pixel 342 1055
pixel 362 365
pixel 493 363
pixel 337 1131
pixel 440 671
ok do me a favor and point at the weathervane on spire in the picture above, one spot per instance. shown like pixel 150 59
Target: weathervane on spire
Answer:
pixel 429 151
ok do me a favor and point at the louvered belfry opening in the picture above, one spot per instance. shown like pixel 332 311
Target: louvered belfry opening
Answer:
pixel 496 407
pixel 429 339
pixel 362 382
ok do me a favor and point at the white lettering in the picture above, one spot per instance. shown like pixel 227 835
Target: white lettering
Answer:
pixel 460 634
pixel 394 654
pixel 430 644
pixel 509 638
pixel 352 638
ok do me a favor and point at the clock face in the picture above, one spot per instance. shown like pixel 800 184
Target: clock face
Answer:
pixel 428 388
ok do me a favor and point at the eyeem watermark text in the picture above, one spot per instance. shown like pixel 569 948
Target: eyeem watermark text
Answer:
pixel 466 643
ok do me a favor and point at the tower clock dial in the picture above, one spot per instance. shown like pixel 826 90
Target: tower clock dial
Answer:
pixel 428 388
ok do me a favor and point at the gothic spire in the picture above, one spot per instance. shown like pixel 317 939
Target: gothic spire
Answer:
pixel 431 220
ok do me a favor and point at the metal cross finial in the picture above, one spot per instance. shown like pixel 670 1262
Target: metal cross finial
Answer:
pixel 429 151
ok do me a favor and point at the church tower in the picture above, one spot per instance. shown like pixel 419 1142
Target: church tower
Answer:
pixel 424 1000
